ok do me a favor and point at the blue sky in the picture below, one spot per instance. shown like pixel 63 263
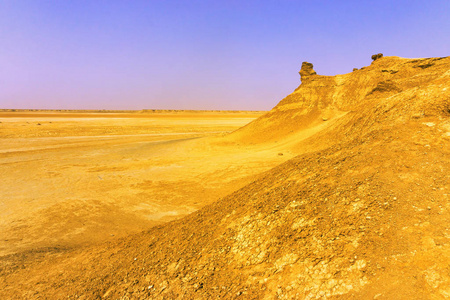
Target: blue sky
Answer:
pixel 198 54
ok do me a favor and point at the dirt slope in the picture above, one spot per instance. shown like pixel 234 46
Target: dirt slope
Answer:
pixel 363 213
pixel 320 100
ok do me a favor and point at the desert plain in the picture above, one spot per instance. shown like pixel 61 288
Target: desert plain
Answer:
pixel 78 178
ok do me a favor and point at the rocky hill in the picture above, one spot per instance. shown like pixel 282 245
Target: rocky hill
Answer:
pixel 361 213
pixel 409 84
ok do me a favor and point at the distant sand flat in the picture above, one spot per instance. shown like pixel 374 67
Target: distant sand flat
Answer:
pixel 70 179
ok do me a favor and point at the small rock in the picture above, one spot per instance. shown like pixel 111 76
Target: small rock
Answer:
pixel 306 70
pixel 377 56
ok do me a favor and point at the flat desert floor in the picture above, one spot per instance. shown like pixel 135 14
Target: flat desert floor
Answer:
pixel 72 179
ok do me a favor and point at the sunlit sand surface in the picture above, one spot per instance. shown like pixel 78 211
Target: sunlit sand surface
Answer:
pixel 71 179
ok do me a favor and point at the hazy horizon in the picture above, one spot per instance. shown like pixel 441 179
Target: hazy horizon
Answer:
pixel 125 110
pixel 197 55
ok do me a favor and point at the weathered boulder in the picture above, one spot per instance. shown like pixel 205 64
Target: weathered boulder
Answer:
pixel 306 70
pixel 377 56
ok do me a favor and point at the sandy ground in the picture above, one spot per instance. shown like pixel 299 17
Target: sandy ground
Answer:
pixel 74 179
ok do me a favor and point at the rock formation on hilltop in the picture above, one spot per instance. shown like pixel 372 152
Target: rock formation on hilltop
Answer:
pixel 333 97
pixel 306 70
pixel 377 56
pixel 362 213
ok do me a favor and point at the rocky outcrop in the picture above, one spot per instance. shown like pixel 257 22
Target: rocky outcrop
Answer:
pixel 306 71
pixel 377 56
pixel 386 86
pixel 327 96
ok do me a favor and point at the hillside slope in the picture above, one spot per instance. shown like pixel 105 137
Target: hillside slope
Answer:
pixel 320 100
pixel 363 213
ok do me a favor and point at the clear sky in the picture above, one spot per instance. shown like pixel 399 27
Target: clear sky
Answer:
pixel 198 54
